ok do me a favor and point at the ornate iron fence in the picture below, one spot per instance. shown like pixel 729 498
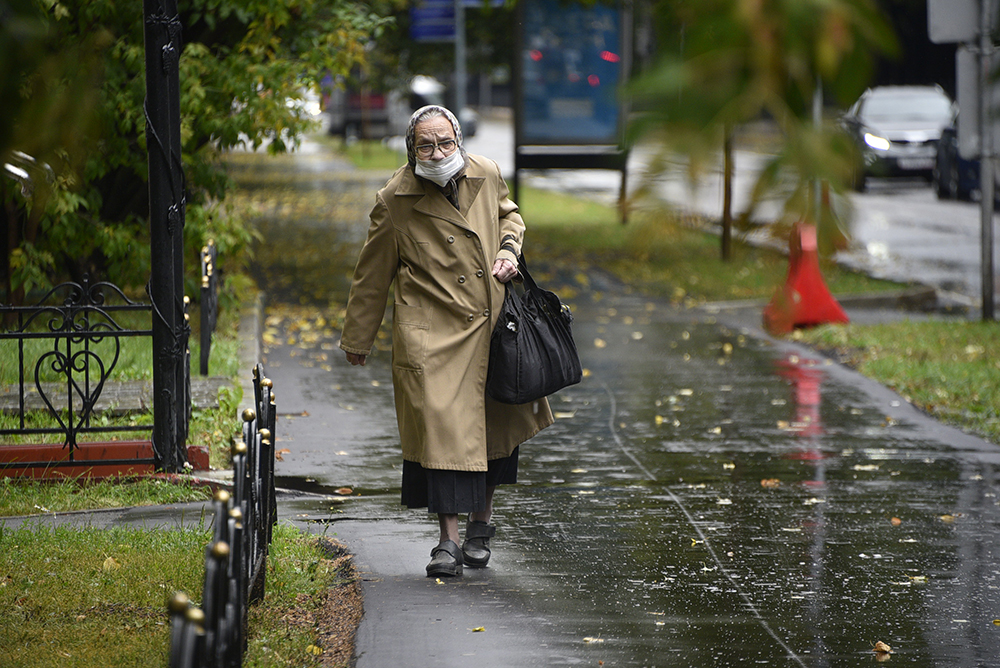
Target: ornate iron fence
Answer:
pixel 214 635
pixel 85 331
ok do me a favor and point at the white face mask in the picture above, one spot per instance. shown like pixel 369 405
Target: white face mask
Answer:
pixel 440 171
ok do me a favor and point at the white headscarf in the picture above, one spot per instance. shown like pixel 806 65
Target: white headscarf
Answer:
pixel 458 157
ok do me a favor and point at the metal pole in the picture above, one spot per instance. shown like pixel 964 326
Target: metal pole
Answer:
pixel 165 221
pixel 986 168
pixel 817 114
pixel 460 77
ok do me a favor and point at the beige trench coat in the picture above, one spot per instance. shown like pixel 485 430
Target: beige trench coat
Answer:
pixel 446 304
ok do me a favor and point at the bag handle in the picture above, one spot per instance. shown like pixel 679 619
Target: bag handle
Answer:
pixel 522 269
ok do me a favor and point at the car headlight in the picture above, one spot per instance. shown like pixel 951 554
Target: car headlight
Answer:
pixel 876 142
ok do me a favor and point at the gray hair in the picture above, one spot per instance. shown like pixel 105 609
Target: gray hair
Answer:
pixel 423 114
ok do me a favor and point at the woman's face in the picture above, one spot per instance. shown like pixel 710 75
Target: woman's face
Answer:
pixel 430 133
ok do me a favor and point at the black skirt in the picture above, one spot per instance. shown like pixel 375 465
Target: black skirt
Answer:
pixel 451 492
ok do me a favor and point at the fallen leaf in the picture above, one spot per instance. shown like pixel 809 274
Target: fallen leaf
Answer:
pixel 588 639
pixel 344 491
pixel 110 565
pixel 314 650
pixel 600 343
pixel 724 502
pixel 770 482
pixel 895 521
pixel 279 453
pixel 478 629
pixel 586 373
pixel 563 415
pixel 882 648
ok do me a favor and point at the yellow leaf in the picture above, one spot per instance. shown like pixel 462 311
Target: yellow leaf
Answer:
pixel 478 629
pixel 586 373
pixel 600 343
pixel 314 650
pixel 110 565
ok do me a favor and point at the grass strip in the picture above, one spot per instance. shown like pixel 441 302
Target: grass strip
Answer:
pixel 97 597
pixel 662 253
pixel 29 497
pixel 943 367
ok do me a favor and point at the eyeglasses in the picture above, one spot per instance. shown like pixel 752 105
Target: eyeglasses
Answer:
pixel 447 147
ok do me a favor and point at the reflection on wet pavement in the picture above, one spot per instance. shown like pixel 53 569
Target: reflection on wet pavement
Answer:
pixel 703 499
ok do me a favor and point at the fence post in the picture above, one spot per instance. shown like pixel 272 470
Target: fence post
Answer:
pixel 209 301
pixel 166 224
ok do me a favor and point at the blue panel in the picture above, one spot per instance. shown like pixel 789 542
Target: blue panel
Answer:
pixel 571 69
pixel 433 21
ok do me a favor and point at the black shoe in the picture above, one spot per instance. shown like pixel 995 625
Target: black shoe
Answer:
pixel 476 548
pixel 446 559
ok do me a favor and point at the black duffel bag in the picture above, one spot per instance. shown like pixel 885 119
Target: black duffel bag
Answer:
pixel 532 352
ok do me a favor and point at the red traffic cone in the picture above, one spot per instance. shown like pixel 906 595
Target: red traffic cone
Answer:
pixel 804 300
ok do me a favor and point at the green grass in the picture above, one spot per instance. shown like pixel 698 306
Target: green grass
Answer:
pixel 365 154
pixel 945 367
pixel 92 597
pixel 97 597
pixel 29 497
pixel 661 253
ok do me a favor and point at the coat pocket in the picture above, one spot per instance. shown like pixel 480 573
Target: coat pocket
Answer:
pixel 410 329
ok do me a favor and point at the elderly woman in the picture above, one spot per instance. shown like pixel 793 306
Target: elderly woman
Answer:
pixel 445 231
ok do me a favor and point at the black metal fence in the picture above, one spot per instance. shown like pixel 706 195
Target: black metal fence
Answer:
pixel 214 635
pixel 66 347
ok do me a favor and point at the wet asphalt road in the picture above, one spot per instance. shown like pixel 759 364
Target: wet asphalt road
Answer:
pixel 707 496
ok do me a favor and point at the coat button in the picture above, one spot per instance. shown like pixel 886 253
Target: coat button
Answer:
pixel 472 316
pixel 468 235
pixel 486 313
pixel 479 274
pixel 461 279
pixel 451 239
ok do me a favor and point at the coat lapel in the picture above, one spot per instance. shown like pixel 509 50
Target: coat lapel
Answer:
pixel 433 203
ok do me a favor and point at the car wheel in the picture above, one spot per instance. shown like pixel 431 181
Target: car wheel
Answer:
pixel 860 182
pixel 944 181
pixel 954 189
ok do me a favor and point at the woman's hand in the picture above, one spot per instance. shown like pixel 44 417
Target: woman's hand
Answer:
pixel 355 359
pixel 504 270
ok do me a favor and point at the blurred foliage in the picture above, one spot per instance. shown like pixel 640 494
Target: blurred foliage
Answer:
pixel 724 63
pixel 74 86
